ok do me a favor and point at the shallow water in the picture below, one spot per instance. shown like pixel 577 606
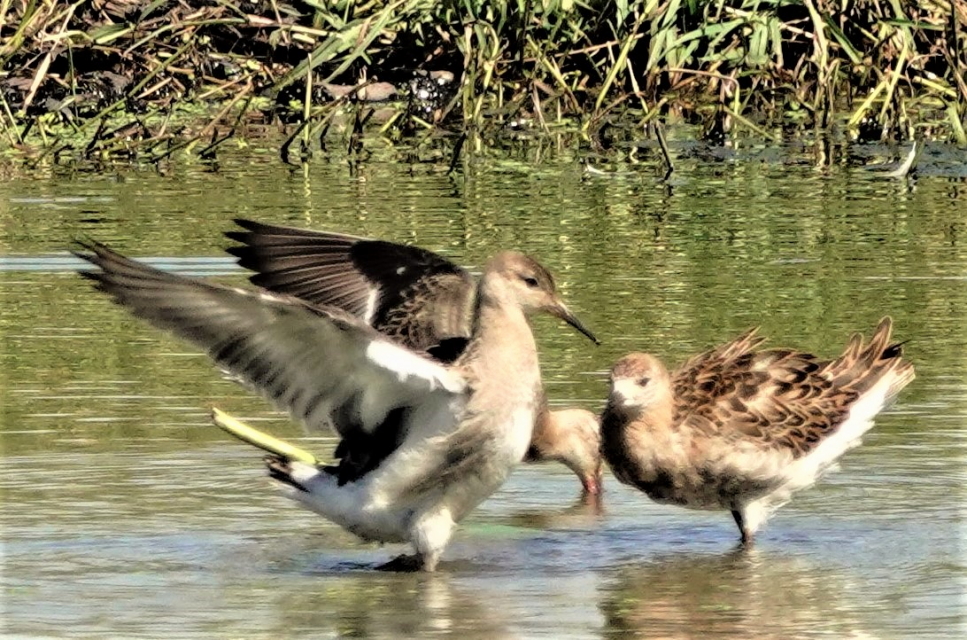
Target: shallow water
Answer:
pixel 126 514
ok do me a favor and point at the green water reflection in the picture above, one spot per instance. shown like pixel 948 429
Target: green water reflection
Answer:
pixel 128 511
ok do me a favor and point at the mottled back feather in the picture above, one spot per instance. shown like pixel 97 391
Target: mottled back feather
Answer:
pixel 784 398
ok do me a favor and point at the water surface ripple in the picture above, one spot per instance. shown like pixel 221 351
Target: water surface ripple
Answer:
pixel 125 514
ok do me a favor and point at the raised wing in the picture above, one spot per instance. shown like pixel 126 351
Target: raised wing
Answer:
pixel 416 297
pixel 788 398
pixel 325 367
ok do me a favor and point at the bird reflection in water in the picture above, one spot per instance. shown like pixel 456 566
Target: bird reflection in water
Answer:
pixel 368 605
pixel 744 594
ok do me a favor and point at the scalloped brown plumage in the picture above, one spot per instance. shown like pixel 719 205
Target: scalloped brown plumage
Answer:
pixel 740 429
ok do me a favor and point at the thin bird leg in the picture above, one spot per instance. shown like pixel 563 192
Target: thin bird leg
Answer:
pixel 739 520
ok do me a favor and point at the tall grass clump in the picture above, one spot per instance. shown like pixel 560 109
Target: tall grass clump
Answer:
pixel 119 76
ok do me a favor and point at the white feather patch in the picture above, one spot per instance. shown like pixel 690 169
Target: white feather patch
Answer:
pixel 521 431
pixel 405 364
pixel 625 392
pixel 371 306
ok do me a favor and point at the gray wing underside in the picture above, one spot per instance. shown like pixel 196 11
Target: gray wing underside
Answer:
pixel 320 364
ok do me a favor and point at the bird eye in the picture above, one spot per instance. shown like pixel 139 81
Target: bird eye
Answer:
pixel 530 281
pixel 642 381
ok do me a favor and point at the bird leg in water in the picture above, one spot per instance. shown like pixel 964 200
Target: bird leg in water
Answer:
pixel 746 539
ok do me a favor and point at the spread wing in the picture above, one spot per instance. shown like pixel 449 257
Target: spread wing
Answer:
pixel 325 367
pixel 416 297
pixel 784 397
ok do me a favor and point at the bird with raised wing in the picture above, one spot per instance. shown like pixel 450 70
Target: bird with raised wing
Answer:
pixel 421 442
pixel 418 298
pixel 740 429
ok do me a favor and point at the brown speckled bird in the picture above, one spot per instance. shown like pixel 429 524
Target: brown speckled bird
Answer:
pixel 740 429
pixel 416 297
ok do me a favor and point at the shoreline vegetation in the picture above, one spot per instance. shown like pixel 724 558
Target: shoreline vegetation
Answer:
pixel 143 80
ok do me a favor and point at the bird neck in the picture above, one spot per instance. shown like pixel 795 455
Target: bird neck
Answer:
pixel 502 340
pixel 656 415
pixel 546 430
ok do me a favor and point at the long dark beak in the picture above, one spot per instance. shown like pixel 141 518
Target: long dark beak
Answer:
pixel 562 312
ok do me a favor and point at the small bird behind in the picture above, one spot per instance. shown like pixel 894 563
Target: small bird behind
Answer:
pixel 421 442
pixel 416 297
pixel 740 429
pixel 573 438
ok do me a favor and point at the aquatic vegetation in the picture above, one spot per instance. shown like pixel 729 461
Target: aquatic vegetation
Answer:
pixel 115 76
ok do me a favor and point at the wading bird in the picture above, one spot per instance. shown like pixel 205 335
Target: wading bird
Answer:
pixel 740 429
pixel 416 297
pixel 421 442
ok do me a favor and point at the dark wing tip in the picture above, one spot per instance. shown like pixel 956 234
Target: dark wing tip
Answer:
pixel 250 227
pixel 97 253
pixel 244 253
pixel 245 223
pixel 893 351
pixel 86 249
pixel 91 275
pixel 237 236
pixel 238 251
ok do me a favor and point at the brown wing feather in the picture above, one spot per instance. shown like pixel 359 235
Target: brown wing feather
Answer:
pixel 316 268
pixel 786 398
pixel 710 375
pixel 414 296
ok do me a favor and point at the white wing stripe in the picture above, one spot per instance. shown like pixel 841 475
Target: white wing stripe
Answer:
pixel 404 363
